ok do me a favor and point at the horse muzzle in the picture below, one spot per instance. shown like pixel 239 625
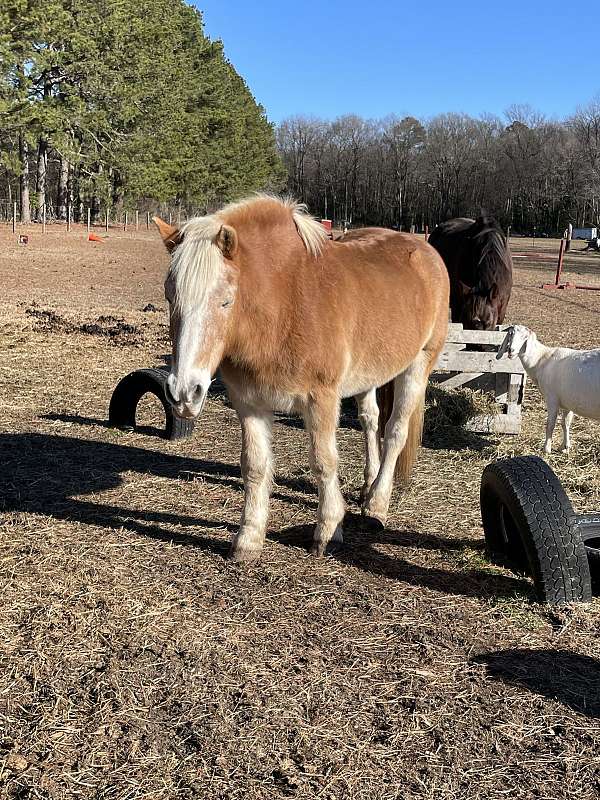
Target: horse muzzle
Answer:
pixel 189 403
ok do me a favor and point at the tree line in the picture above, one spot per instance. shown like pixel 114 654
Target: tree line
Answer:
pixel 122 103
pixel 530 172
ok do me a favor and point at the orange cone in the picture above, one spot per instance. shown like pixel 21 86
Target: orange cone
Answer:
pixel 93 238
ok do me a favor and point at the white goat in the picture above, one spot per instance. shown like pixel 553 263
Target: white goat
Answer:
pixel 568 379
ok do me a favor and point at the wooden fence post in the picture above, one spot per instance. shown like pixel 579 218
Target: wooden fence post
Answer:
pixel 147 220
pixel 14 219
pixel 89 219
pixel 44 218
pixel 137 220
pixel 125 222
pixel 559 266
pixel 106 220
pixel 69 217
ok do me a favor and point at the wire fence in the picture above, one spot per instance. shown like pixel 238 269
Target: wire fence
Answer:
pixel 93 217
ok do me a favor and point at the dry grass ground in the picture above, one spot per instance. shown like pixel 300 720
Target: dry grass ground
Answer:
pixel 136 662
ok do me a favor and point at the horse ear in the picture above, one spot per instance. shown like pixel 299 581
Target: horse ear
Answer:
pixel 464 289
pixel 169 234
pixel 227 241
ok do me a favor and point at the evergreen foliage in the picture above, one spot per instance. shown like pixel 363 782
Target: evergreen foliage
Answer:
pixel 110 102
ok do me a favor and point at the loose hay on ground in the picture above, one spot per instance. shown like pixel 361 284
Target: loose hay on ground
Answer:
pixel 136 662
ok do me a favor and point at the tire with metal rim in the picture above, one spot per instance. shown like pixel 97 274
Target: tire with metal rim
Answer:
pixel 128 393
pixel 530 527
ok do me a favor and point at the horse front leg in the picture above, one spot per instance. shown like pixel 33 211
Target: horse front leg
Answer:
pixel 257 473
pixel 321 418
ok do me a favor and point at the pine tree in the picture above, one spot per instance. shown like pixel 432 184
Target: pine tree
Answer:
pixel 126 100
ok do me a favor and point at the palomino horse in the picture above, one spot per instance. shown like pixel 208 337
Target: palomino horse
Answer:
pixel 296 322
pixel 479 263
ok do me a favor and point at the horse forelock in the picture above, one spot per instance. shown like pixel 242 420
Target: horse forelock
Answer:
pixel 196 262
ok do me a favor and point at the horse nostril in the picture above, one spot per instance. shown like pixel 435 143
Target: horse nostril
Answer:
pixel 198 391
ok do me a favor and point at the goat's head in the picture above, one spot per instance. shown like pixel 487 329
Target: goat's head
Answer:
pixel 515 341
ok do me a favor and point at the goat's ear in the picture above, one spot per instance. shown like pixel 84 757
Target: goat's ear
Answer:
pixel 506 343
pixel 494 291
pixel 169 234
pixel 464 289
pixel 227 241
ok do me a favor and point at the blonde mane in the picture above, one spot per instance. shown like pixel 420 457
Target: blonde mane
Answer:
pixel 196 262
pixel 312 233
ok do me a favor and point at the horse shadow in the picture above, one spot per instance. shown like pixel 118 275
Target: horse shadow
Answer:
pixel 561 675
pixel 359 550
pixel 47 474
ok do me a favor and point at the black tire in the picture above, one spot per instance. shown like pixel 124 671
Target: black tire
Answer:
pixel 530 526
pixel 589 530
pixel 128 393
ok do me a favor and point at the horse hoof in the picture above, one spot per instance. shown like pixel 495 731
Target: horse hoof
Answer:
pixel 372 523
pixel 244 555
pixel 320 550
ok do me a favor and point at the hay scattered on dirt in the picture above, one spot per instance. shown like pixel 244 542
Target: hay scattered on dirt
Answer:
pixel 136 662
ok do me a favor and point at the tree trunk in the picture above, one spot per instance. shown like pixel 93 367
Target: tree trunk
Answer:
pixel 24 180
pixel 42 165
pixel 63 189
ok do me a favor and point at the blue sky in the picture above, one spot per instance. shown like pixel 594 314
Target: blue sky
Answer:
pixel 381 57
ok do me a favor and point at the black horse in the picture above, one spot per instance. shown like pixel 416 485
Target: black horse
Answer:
pixel 479 263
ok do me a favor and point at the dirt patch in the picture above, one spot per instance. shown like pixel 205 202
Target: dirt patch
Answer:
pixel 136 662
pixel 116 330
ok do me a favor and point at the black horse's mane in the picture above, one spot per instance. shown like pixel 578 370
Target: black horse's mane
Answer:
pixel 491 244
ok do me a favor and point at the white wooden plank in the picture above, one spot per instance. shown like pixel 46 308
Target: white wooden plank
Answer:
pixel 476 337
pixel 495 423
pixel 458 326
pixel 468 361
pixel 454 381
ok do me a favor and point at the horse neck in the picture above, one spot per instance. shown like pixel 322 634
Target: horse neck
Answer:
pixel 259 322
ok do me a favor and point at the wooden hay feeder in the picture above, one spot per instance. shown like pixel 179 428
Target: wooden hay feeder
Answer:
pixel 481 370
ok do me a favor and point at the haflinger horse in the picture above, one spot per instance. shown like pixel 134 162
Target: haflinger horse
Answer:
pixel 296 322
pixel 479 264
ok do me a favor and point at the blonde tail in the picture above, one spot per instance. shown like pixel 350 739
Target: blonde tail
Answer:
pixel 406 459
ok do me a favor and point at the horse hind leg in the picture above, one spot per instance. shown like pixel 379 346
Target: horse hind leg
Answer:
pixel 368 414
pixel 402 438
